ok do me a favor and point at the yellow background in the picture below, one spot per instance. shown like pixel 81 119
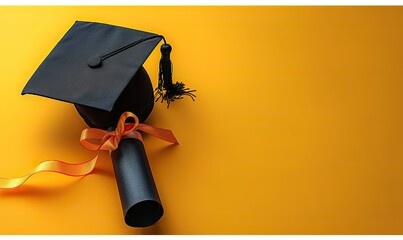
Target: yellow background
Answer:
pixel 297 127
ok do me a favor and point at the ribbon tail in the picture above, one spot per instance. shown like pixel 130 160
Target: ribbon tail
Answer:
pixel 161 133
pixel 56 166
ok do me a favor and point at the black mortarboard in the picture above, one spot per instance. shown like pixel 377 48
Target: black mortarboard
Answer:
pixel 98 68
pixel 93 66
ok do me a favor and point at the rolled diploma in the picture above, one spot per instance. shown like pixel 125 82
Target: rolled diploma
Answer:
pixel 138 194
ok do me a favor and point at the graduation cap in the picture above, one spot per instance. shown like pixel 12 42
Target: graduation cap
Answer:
pixel 98 68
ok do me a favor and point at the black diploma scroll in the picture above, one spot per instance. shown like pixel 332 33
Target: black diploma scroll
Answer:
pixel 138 193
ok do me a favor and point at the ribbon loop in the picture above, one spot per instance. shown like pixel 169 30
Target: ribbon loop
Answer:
pixel 95 139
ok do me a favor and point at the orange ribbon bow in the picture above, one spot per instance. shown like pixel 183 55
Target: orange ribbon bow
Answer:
pixel 107 141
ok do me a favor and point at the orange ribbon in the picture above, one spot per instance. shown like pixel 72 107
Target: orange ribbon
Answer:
pixel 106 141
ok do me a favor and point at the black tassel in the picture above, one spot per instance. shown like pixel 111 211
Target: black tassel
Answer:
pixel 166 90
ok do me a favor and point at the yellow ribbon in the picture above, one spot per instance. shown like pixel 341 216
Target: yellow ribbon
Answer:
pixel 89 138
